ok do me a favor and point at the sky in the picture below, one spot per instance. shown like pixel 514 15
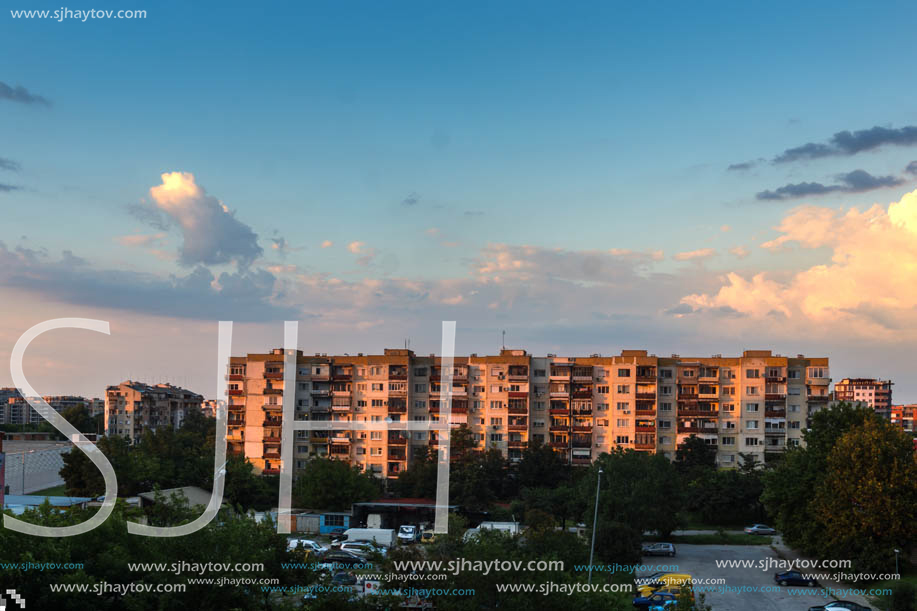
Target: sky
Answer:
pixel 683 178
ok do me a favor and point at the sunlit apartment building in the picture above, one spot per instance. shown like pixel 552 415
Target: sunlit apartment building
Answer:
pixel 904 417
pixel 755 404
pixel 876 394
pixel 14 409
pixel 134 407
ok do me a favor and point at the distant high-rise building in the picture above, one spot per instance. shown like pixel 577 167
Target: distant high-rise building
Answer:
pixel 876 394
pixel 904 416
pixel 755 404
pixel 134 407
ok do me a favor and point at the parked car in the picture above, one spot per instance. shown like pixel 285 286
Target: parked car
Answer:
pixel 662 582
pixel 362 548
pixel 760 529
pixel 427 537
pixel 840 605
pixel 658 549
pixel 343 578
pixel 340 558
pixel 657 600
pixel 794 578
pixel 306 544
pixel 408 534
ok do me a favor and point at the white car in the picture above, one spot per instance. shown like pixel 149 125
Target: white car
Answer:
pixel 760 529
pixel 308 544
pixel 408 534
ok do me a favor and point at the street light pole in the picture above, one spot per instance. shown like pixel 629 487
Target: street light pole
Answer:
pixel 896 561
pixel 595 521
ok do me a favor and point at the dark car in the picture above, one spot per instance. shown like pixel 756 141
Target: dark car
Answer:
pixel 657 600
pixel 339 558
pixel 840 605
pixel 794 578
pixel 344 578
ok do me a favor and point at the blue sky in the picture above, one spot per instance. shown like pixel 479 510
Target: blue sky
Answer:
pixel 443 138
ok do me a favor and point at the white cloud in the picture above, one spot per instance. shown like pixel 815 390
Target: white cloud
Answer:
pixel 869 286
pixel 210 232
pixel 356 247
pixel 695 255
pixel 327 244
pixel 740 251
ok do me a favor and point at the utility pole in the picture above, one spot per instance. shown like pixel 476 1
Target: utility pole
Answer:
pixel 595 521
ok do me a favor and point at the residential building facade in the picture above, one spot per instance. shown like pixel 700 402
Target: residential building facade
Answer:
pixel 904 417
pixel 876 394
pixel 134 407
pixel 756 404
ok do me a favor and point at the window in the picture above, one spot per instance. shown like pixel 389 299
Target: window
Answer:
pixel 334 520
pixel 420 404
pixel 688 373
pixel 622 439
pixel 794 409
pixel 375 451
pixel 665 390
pixel 751 407
pixel 375 435
pixel 818 372
pixel 665 406
pixel 361 402
pixel 420 372
pixel 623 389
pixel 420 388
pixel 622 405
pixel 602 390
pixel 496 405
pixel 794 425
pixel 419 435
pixel 751 425
pixel 751 441
pixel 792 374
pixel 496 422
pixel 729 407
pixel 496 388
pixel 751 390
pixel 378 403
pixel 729 391
pixel 538 424
pixel 377 386
pixel 665 424
pixel 540 373
pixel 752 373
pixel 729 441
pixel 496 437
pixel 623 373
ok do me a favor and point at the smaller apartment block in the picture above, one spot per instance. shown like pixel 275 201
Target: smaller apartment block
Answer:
pixel 133 407
pixel 877 394
pixel 14 409
pixel 756 404
pixel 903 416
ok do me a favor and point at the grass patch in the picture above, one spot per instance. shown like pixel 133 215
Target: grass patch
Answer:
pixel 53 491
pixel 716 539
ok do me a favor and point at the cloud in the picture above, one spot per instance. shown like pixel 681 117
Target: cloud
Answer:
pixel 356 247
pixel 327 244
pixel 432 231
pixel 9 164
pixel 857 181
pixel 142 240
pixel 911 168
pixel 473 213
pixel 211 234
pixel 740 252
pixel 737 167
pixel 846 143
pixel 248 295
pixel 870 280
pixel 695 255
pixel 281 246
pixel 725 228
pixel 21 94
pixel 411 200
pixel 5 188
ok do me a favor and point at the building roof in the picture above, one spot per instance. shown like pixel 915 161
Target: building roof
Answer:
pixel 34 500
pixel 403 502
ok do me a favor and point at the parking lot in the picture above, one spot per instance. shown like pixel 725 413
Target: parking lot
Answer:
pixel 700 562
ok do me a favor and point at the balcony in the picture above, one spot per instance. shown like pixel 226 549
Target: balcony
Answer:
pixel 273 375
pixel 235 392
pixel 270 471
pixel 397 409
pixel 273 391
pixel 557 445
pixel 316 439
pixel 340 408
pixel 775 413
pixel 342 375
pixel 775 397
pixel 645 412
pixel 645 428
pixel 517 427
pixel 563 411
pixel 560 394
pixel 272 406
pixel 516 443
pixel 519 409
pixel 646 396
pixel 518 375
pixel 273 423
pixel 694 412
pixel 582 428
pixel 582 394
pixel 398 374
pixel 271 453
pixel 687 396
pixel 340 439
pixel 581 460
pixel 397 440
pixel 236 407
pixel 235 377
pixel 697 430
pixel 559 428
pixel 644 445
pixel 775 379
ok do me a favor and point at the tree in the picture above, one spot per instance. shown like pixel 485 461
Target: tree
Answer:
pixel 867 501
pixel 788 487
pixel 695 454
pixel 333 485
pixel 541 467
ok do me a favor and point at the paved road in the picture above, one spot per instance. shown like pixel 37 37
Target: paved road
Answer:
pixel 700 562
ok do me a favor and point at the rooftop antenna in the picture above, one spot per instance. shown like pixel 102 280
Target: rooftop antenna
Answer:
pixel 504 339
